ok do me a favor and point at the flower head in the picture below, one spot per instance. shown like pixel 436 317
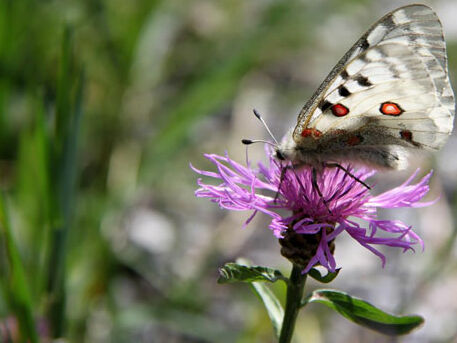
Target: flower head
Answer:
pixel 308 230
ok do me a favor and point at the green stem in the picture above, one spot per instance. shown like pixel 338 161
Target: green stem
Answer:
pixel 295 289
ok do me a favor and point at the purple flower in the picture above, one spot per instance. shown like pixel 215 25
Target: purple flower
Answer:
pixel 344 205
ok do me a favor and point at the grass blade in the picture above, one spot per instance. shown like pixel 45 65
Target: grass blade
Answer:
pixel 17 286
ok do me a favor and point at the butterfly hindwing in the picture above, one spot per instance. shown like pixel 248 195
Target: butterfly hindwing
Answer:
pixel 392 86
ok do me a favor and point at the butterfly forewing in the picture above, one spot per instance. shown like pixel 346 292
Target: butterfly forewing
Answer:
pixel 394 81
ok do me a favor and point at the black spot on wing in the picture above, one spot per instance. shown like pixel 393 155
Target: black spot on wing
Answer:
pixel 343 91
pixel 344 75
pixel 363 81
pixel 364 45
pixel 325 105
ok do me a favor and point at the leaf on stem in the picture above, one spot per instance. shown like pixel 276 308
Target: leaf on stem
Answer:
pixel 365 314
pixel 329 277
pixel 272 304
pixel 242 271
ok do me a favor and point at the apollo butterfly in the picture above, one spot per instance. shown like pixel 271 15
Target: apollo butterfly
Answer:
pixel 390 93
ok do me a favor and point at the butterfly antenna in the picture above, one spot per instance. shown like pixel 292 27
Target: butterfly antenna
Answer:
pixel 252 141
pixel 259 117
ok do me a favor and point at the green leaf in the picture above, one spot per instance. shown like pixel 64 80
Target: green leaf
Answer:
pixel 64 166
pixel 17 285
pixel 272 304
pixel 316 275
pixel 242 271
pixel 365 314
pixel 234 272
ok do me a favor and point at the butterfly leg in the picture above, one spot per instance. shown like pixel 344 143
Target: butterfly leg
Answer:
pixel 316 187
pixel 281 179
pixel 339 166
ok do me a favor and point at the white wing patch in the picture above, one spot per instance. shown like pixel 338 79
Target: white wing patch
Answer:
pixel 400 62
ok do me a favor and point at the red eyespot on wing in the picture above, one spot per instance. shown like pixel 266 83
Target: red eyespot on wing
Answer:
pixel 339 110
pixel 307 132
pixel 406 135
pixel 390 109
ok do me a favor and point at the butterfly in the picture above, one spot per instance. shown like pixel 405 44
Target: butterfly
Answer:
pixel 388 95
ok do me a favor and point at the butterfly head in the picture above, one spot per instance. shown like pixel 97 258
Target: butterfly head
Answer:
pixel 279 154
pixel 304 152
pixel 285 150
pixel 297 152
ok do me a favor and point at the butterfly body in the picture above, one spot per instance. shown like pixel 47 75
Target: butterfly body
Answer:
pixel 374 148
pixel 389 95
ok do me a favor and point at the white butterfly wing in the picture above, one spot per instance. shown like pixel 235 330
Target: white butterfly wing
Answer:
pixel 393 81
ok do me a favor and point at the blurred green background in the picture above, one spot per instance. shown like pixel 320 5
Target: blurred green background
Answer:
pixel 103 104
